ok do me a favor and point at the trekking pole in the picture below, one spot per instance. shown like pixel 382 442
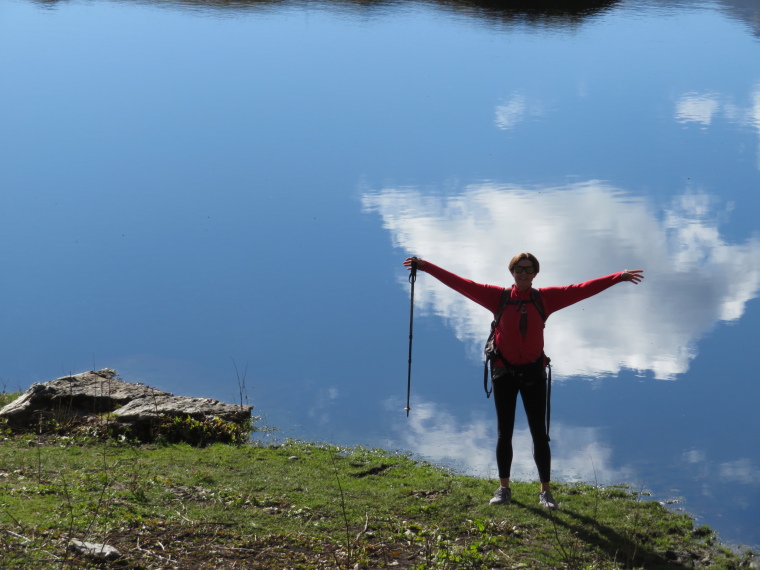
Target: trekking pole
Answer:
pixel 412 279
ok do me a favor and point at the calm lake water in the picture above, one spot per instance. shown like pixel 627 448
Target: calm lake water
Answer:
pixel 188 187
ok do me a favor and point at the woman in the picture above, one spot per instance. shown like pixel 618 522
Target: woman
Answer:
pixel 521 363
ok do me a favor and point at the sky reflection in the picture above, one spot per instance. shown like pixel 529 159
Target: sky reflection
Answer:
pixel 706 107
pixel 516 109
pixel 581 231
pixel 438 435
pixel 194 202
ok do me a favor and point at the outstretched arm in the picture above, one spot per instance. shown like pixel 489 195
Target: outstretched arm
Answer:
pixel 556 298
pixel 486 295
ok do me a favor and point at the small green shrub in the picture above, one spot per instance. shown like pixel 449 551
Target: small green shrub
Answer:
pixel 201 432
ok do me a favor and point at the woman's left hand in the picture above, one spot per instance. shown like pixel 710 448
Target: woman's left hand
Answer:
pixel 635 276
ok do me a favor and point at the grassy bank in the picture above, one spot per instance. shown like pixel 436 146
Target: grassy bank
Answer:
pixel 307 505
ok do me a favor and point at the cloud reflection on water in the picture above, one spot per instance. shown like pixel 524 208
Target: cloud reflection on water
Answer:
pixel 741 471
pixel 437 435
pixel 694 278
pixel 517 109
pixel 704 108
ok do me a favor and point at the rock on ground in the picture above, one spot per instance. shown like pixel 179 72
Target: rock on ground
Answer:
pixel 103 392
pixel 95 550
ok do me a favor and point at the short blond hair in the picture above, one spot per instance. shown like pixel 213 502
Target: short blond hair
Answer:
pixel 519 257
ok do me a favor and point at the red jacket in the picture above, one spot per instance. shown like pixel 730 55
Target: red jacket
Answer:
pixel 513 347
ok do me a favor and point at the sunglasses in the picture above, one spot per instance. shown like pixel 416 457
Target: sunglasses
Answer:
pixel 520 268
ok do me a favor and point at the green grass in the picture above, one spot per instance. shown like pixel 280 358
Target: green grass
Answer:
pixel 307 505
pixel 7 398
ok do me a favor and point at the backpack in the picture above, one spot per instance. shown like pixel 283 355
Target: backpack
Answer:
pixel 491 351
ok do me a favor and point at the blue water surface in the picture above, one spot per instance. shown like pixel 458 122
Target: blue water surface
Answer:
pixel 200 193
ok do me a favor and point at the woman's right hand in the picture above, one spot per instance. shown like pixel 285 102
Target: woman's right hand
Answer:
pixel 409 260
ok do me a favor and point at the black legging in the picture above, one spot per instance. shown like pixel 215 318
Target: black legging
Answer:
pixel 532 386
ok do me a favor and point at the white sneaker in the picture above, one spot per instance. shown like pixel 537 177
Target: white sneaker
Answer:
pixel 502 495
pixel 546 500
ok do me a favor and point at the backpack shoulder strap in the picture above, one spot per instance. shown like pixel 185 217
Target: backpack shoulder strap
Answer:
pixel 535 296
pixel 503 302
